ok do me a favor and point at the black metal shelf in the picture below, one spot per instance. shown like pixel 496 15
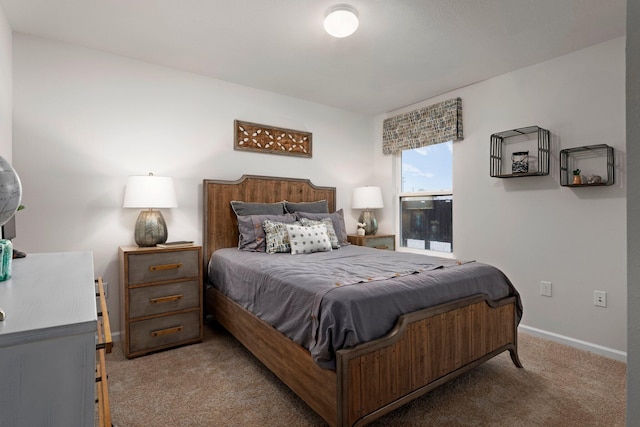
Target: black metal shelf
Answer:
pixel 569 158
pixel 519 174
pixel 498 140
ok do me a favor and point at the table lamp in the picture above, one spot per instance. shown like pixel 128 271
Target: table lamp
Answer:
pixel 150 192
pixel 367 198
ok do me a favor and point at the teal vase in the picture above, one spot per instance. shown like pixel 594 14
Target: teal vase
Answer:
pixel 6 257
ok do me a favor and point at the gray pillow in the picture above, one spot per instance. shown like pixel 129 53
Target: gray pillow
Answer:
pixel 338 223
pixel 248 208
pixel 320 206
pixel 252 236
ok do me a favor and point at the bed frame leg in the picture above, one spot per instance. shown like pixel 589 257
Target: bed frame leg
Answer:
pixel 514 357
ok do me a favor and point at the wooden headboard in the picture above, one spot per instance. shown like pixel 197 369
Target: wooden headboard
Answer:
pixel 220 225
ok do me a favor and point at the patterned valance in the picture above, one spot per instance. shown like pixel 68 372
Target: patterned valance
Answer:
pixel 434 124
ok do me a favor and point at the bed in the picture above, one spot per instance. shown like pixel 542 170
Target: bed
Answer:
pixel 423 349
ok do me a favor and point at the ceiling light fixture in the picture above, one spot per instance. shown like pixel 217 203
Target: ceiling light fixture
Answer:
pixel 341 21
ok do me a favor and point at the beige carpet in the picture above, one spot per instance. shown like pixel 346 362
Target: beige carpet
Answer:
pixel 219 383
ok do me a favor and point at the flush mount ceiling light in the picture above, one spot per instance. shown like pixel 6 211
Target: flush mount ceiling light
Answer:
pixel 341 21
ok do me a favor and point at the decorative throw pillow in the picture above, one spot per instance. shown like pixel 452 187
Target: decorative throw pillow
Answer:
pixel 277 237
pixel 338 223
pixel 306 240
pixel 251 234
pixel 320 206
pixel 335 244
pixel 249 208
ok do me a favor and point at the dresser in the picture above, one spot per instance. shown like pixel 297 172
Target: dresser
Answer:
pixel 161 297
pixel 48 341
pixel 378 241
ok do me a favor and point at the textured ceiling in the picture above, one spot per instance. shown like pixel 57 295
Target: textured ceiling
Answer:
pixel 404 50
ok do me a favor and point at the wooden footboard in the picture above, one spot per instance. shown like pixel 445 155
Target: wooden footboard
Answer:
pixel 425 349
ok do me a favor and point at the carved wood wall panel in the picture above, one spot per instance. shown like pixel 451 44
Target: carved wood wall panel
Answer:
pixel 268 139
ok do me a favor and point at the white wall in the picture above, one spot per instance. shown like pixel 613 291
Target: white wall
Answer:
pixel 84 120
pixel 6 92
pixel 532 228
pixel 633 211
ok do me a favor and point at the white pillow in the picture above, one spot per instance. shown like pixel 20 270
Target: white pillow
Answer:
pixel 306 240
pixel 331 232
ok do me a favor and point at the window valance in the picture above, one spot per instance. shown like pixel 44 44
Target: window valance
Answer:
pixel 434 124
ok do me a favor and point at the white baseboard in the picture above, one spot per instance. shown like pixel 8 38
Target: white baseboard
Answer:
pixel 572 342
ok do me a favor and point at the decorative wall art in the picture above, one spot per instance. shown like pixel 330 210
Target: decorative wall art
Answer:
pixel 268 139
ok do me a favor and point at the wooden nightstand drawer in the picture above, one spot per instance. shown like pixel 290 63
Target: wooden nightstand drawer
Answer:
pixel 379 242
pixel 150 300
pixel 159 266
pixel 159 332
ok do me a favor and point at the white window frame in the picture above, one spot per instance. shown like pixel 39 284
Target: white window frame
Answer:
pixel 398 203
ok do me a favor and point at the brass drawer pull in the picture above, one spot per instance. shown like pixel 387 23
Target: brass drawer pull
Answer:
pixel 167 331
pixel 165 267
pixel 169 298
pixel 382 247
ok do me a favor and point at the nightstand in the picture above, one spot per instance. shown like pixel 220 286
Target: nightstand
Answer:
pixel 161 298
pixel 378 241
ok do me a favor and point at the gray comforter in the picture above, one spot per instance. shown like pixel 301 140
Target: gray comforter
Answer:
pixel 327 301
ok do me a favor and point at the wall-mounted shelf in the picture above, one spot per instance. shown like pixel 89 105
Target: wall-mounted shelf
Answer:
pixel 498 142
pixel 577 157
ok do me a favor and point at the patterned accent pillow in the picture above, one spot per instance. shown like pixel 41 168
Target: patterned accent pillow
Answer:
pixel 277 237
pixel 306 240
pixel 251 234
pixel 338 223
pixel 335 244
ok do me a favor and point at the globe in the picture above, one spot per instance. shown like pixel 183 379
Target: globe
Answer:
pixel 10 191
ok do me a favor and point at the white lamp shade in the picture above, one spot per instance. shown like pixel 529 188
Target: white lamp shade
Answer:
pixel 367 198
pixel 341 21
pixel 150 191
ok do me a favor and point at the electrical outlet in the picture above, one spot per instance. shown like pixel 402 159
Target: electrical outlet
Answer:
pixel 545 288
pixel 599 298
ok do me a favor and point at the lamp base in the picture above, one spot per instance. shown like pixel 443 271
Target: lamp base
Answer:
pixel 367 217
pixel 150 228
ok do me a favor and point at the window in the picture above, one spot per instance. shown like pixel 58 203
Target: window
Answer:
pixel 426 198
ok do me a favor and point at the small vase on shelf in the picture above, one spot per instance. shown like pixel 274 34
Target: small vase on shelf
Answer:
pixel 577 180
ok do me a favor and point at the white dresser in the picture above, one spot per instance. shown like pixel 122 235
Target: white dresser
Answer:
pixel 48 341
